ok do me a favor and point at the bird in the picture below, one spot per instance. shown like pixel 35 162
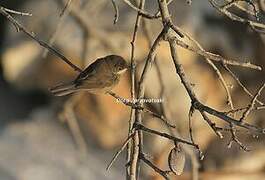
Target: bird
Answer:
pixel 99 77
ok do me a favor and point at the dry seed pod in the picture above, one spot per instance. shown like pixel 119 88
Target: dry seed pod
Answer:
pixel 176 160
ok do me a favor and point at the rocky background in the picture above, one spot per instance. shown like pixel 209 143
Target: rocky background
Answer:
pixel 38 139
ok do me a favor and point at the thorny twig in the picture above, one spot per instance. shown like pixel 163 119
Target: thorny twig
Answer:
pixel 131 154
pixel 195 103
pixel 180 71
pixel 252 104
pixel 140 95
pixel 241 84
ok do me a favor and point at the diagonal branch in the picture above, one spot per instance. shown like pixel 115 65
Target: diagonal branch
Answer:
pixel 20 27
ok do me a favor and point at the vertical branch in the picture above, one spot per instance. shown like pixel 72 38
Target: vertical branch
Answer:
pixel 173 47
pixel 132 160
pixel 138 140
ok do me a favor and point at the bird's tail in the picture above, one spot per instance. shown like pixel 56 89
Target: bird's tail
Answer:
pixel 63 89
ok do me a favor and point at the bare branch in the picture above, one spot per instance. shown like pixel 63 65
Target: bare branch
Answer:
pixel 240 83
pixel 33 36
pixel 223 116
pixel 216 57
pixel 212 125
pixel 165 135
pixel 132 151
pixel 164 174
pixel 120 150
pixel 252 104
pixel 252 24
pixel 141 11
pixel 180 71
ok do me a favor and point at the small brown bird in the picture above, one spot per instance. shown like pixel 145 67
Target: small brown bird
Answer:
pixel 99 77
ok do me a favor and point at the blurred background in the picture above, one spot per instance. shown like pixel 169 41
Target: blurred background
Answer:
pixel 45 137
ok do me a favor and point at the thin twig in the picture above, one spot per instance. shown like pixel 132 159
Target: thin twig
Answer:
pixel 65 7
pixel 141 108
pixel 212 125
pixel 161 117
pixel 142 12
pixel 164 174
pixel 33 36
pixel 146 31
pixel 235 139
pixel 252 104
pixel 88 27
pixel 120 150
pixel 116 9
pixel 17 12
pixel 131 148
pixel 254 25
pixel 59 25
pixel 140 95
pixel 164 109
pixel 191 111
pixel 216 57
pixel 181 73
pixel 244 108
pixel 216 70
pixel 223 116
pixel 164 135
pixel 241 84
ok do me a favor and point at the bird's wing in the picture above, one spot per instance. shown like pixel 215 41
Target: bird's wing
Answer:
pixel 90 71
pixel 98 82
pixel 95 76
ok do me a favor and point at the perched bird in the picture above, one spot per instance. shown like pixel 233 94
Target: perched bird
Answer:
pixel 99 77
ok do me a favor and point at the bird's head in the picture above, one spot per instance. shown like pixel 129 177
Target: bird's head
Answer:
pixel 118 64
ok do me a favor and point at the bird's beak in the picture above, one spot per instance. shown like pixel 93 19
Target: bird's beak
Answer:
pixel 122 71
